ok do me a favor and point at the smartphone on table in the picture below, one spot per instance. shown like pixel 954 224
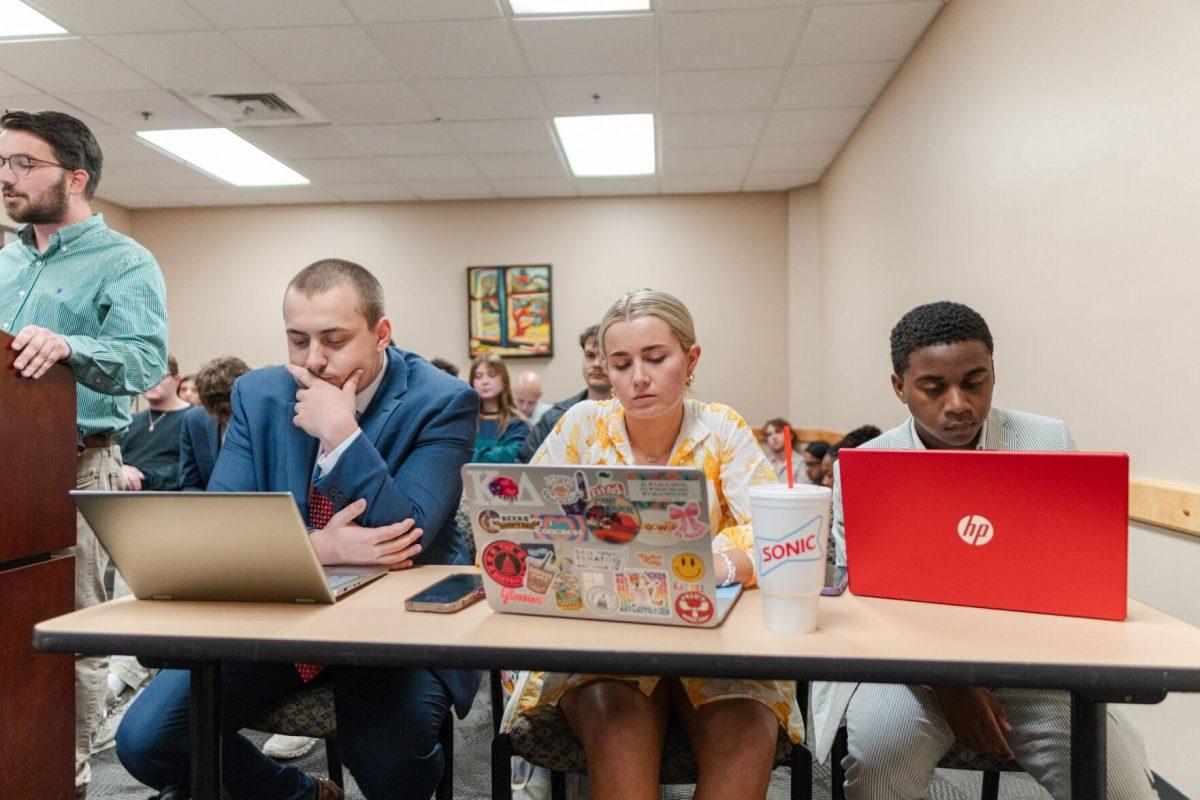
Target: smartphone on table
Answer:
pixel 835 580
pixel 450 594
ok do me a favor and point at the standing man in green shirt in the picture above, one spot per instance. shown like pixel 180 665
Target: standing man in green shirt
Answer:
pixel 71 290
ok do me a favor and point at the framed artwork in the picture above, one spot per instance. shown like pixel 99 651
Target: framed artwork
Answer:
pixel 508 311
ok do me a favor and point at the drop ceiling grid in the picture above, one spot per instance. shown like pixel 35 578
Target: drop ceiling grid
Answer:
pixel 748 95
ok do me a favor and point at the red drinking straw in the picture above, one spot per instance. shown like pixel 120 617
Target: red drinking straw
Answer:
pixel 787 438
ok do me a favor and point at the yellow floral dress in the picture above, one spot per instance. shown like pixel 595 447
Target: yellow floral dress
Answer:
pixel 717 440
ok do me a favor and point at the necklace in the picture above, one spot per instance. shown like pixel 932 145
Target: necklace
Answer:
pixel 657 458
pixel 161 414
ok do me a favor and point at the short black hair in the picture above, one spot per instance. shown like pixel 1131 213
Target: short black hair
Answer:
pixel 859 436
pixel 445 366
pixel 832 452
pixel 328 273
pixel 71 140
pixel 817 449
pixel 936 323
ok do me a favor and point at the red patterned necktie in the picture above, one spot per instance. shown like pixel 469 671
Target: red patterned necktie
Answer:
pixel 320 511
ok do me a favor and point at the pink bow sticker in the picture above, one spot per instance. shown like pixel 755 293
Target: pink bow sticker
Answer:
pixel 687 515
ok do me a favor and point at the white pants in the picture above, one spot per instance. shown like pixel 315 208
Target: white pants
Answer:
pixel 897 735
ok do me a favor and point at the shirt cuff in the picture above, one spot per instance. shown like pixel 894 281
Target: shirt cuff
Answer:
pixel 326 463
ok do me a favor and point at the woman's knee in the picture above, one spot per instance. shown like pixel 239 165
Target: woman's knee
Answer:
pixel 598 709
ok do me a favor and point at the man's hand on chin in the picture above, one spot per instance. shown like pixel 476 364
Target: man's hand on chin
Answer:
pixel 324 411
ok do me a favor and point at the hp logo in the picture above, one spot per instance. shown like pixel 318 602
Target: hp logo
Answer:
pixel 975 530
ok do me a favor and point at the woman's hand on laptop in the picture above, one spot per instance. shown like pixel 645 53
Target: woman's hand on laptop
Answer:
pixel 343 541
pixel 976 717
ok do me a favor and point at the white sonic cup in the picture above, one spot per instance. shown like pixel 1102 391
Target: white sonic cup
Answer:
pixel 791 528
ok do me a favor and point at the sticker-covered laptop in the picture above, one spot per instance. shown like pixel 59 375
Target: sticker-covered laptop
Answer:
pixel 611 543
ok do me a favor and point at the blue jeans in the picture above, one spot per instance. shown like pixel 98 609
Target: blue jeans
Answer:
pixel 387 729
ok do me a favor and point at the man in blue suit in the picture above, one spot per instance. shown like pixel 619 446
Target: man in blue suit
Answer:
pixel 369 439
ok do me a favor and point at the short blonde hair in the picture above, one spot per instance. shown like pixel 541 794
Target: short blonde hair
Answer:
pixel 649 303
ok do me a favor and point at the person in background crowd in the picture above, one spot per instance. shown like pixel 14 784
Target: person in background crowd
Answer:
pixel 150 447
pixel 528 396
pixel 204 427
pixel 859 436
pixel 502 427
pixel 776 446
pixel 596 387
pixel 445 366
pixel 74 291
pixel 187 390
pixel 813 454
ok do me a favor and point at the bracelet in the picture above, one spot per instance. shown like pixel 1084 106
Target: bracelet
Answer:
pixel 730 570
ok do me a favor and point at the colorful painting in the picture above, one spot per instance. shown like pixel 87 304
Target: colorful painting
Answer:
pixel 509 311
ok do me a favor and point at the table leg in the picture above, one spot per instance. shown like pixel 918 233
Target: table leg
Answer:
pixel 1089 744
pixel 206 733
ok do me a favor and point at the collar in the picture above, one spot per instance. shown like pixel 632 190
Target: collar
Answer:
pixel 987 436
pixel 364 398
pixel 692 431
pixel 63 236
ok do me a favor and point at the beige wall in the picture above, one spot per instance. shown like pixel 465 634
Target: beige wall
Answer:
pixel 724 255
pixel 1037 159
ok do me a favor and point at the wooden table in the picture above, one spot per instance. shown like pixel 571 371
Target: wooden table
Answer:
pixel 859 639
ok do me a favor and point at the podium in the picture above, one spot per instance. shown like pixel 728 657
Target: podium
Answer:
pixel 37 518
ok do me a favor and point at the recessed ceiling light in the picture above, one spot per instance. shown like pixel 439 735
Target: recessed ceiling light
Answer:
pixel 19 21
pixel 225 156
pixel 576 6
pixel 610 144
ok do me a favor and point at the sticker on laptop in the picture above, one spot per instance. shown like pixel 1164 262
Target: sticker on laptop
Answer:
pixel 607 486
pixel 688 567
pixel 602 600
pixel 691 523
pixel 663 487
pixel 492 488
pixel 504 562
pixel 563 491
pixel 539 567
pixel 492 521
pixel 559 528
pixel 643 593
pixel 649 559
pixel 694 607
pixel 510 594
pixel 568 594
pixel 604 560
pixel 612 519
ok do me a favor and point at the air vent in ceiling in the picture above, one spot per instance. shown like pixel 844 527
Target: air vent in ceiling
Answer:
pixel 256 107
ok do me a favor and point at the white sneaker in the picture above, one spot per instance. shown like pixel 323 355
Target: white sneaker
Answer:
pixel 287 747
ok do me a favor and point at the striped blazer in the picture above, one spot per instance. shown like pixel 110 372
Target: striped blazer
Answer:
pixel 1002 430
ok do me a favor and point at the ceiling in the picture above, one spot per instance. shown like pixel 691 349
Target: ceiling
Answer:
pixel 453 99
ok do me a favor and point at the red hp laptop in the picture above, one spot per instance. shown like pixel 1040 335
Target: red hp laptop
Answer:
pixel 1044 532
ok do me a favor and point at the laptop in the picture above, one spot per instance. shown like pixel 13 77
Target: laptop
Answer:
pixel 610 543
pixel 1041 532
pixel 250 547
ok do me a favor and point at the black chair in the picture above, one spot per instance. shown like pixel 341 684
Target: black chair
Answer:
pixel 547 740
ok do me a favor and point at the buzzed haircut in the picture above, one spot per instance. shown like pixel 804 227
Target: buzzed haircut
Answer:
pixel 590 333
pixel 933 324
pixel 329 273
pixel 74 145
pixel 817 449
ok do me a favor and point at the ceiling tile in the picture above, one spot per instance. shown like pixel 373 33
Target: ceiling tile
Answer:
pixel 170 174
pixel 45 102
pixel 689 184
pixel 503 136
pixel 482 98
pixel 520 165
pixel 332 54
pixel 305 141
pixel 421 10
pixel 714 5
pixel 867 32
pixel 261 196
pixel 145 198
pixel 794 157
pixel 637 184
pixel 699 160
pixel 125 148
pixel 340 170
pixel 431 168
pixel 730 39
pixel 478 189
pixel 371 192
pixel 779 181
pixel 187 62
pixel 468 49
pixel 631 93
pixel 10 86
pixel 714 129
pixel 719 90
pixel 834 85
pixel 272 13
pixel 116 178
pixel 536 187
pixel 418 138
pixel 589 46
pixel 361 103
pixel 122 16
pixel 810 125
pixel 125 110
pixel 68 65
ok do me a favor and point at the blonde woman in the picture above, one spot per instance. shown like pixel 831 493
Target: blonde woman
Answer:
pixel 649 345
pixel 502 427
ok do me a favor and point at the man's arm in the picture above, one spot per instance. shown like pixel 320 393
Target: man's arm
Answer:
pixel 234 470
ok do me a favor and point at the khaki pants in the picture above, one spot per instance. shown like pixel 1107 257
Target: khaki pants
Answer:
pixel 97 468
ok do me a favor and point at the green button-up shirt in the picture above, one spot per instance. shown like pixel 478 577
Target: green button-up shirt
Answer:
pixel 102 292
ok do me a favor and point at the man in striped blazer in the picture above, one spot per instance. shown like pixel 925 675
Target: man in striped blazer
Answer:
pixel 943 372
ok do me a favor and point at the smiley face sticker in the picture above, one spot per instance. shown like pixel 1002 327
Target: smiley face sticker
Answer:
pixel 688 567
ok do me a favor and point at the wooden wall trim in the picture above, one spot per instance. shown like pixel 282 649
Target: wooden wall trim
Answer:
pixel 1167 505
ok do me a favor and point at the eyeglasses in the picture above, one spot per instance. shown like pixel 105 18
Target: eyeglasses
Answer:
pixel 22 165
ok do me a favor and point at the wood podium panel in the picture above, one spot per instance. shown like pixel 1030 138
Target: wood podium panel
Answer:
pixel 37 458
pixel 37 720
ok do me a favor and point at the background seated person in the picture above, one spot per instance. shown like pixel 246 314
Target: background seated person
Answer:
pixel 649 345
pixel 204 427
pixel 944 373
pixel 502 427
pixel 776 446
pixel 150 447
pixel 595 379
pixel 369 439
pixel 812 461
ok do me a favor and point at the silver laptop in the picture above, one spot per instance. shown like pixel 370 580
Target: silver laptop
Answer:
pixel 250 547
pixel 614 543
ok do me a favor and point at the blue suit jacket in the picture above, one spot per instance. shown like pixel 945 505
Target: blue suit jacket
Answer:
pixel 417 433
pixel 198 447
